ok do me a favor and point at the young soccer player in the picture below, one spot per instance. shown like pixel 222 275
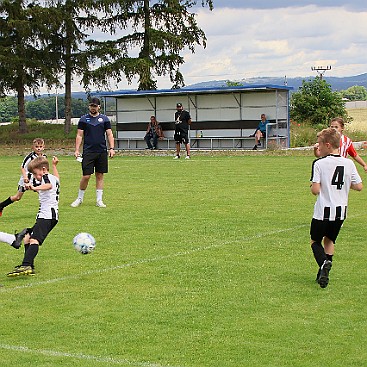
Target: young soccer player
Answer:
pixel 346 144
pixel 331 179
pixel 38 146
pixel 47 186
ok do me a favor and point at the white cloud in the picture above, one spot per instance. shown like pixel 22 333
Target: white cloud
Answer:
pixel 251 42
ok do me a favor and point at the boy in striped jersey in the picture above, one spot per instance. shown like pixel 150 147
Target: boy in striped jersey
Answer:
pixel 331 179
pixel 38 146
pixel 346 144
pixel 47 186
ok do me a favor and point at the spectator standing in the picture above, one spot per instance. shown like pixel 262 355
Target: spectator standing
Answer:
pixel 182 124
pixel 93 129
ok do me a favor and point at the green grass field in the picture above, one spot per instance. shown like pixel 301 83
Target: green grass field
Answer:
pixel 200 263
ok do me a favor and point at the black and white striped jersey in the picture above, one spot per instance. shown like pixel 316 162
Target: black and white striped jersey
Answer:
pixel 48 199
pixel 335 174
pixel 27 159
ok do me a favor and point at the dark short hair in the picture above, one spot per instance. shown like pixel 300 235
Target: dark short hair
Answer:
pixel 95 100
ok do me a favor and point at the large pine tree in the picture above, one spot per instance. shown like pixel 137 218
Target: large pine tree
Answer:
pixel 159 31
pixel 24 50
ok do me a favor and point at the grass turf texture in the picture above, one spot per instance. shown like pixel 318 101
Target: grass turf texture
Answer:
pixel 198 263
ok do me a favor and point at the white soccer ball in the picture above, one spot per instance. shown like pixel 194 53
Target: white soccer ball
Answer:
pixel 84 243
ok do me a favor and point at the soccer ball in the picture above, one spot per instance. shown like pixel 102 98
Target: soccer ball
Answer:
pixel 84 243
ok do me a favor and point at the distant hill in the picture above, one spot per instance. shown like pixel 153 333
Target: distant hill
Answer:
pixel 336 83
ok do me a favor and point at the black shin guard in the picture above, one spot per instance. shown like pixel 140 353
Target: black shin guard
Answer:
pixel 5 203
pixel 30 254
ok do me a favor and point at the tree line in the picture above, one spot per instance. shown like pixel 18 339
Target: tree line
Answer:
pixel 41 108
pixel 43 42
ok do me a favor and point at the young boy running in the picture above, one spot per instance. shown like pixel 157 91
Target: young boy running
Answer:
pixel 38 146
pixel 331 179
pixel 47 186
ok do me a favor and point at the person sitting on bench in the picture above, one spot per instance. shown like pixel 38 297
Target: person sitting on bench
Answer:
pixel 260 132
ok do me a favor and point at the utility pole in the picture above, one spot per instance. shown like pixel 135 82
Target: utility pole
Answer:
pixel 320 70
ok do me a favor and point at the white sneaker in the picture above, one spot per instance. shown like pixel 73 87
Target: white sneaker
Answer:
pixel 176 157
pixel 101 204
pixel 76 203
pixel 187 157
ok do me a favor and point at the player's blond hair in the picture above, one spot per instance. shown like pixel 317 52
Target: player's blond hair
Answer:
pixel 38 163
pixel 330 136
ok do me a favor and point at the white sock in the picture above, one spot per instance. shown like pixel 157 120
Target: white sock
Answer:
pixel 81 194
pixel 7 238
pixel 99 194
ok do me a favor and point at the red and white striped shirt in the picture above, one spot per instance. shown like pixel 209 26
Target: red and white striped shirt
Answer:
pixel 346 147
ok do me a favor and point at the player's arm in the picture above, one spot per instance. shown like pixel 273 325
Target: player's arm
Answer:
pixel 24 174
pixel 55 171
pixel 78 142
pixel 44 187
pixel 360 161
pixel 111 143
pixel 357 187
pixel 315 188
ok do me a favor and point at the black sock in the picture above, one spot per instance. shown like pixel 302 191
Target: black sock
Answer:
pixel 318 253
pixel 5 203
pixel 30 254
pixel 329 257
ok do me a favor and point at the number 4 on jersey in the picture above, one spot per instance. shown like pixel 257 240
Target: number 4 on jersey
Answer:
pixel 338 177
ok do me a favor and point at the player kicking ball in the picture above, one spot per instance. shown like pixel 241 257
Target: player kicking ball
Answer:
pixel 331 179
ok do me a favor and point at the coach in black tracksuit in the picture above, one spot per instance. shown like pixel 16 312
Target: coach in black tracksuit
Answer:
pixel 182 123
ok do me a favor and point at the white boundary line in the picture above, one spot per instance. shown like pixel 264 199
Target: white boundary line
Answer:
pixel 148 260
pixel 52 353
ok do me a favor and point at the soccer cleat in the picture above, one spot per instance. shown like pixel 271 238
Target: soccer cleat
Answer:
pixel 76 203
pixel 101 204
pixel 187 157
pixel 176 157
pixel 255 147
pixel 21 270
pixel 19 238
pixel 324 273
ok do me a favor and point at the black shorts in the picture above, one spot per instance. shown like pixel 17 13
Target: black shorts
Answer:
pixel 95 162
pixel 325 228
pixel 181 137
pixel 41 229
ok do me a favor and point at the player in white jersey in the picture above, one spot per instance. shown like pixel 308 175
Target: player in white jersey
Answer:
pixel 47 186
pixel 332 178
pixel 38 146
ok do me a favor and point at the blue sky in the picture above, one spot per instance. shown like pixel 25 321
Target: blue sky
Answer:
pixel 257 38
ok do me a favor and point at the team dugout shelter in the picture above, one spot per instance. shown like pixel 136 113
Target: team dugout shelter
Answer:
pixel 222 117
